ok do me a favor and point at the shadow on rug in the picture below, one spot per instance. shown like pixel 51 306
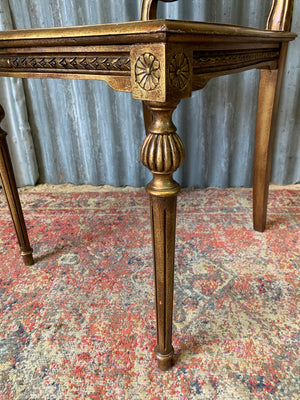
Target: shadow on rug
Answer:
pixel 80 323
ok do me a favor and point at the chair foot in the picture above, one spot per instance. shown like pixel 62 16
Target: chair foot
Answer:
pixel 165 361
pixel 260 225
pixel 27 257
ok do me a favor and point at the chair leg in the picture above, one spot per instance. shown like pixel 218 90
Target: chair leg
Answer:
pixel 162 153
pixel 265 133
pixel 267 111
pixel 12 196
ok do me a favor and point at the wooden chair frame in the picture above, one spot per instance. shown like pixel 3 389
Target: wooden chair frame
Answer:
pixel 159 62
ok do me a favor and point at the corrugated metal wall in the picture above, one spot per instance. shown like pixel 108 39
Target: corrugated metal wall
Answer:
pixel 84 132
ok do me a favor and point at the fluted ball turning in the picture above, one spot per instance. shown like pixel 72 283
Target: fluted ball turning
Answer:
pixel 162 153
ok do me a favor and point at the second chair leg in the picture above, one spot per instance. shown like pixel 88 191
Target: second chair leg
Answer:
pixel 12 196
pixel 263 147
pixel 267 111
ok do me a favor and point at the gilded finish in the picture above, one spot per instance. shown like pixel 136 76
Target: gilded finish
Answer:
pixel 179 71
pixel 208 63
pixel 128 33
pixel 147 71
pixel 163 153
pixel 160 62
pixel 231 59
pixel 106 64
pixel 149 7
pixel 148 75
pixel 11 193
pixel 265 134
pixel 280 17
pixel 267 110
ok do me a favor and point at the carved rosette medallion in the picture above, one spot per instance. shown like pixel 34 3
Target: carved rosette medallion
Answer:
pixel 147 71
pixel 179 71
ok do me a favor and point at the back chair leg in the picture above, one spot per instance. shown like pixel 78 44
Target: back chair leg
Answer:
pixel 263 147
pixel 267 111
pixel 12 196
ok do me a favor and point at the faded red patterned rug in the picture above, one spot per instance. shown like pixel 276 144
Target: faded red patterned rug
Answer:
pixel 80 323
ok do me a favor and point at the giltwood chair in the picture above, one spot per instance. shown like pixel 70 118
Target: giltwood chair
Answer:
pixel 159 62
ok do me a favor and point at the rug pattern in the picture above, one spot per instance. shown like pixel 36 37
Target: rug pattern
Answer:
pixel 80 323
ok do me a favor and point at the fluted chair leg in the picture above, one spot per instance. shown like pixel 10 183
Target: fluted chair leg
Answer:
pixel 12 196
pixel 162 153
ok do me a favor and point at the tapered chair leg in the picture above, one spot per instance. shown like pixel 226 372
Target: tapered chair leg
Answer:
pixel 267 110
pixel 162 153
pixel 12 196
pixel 263 147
